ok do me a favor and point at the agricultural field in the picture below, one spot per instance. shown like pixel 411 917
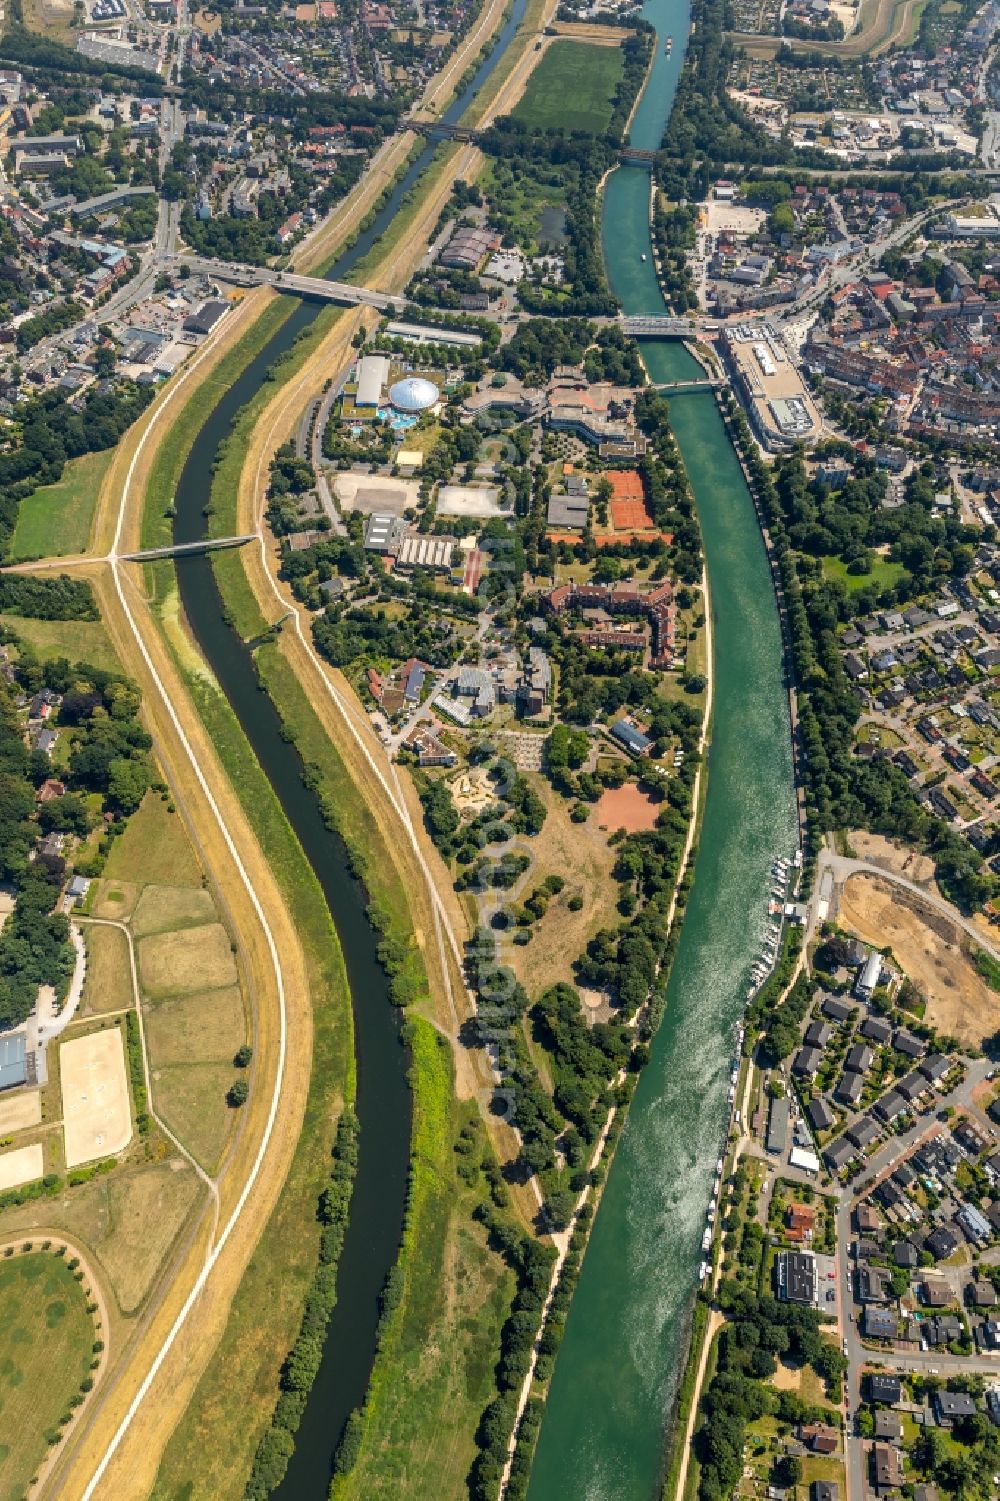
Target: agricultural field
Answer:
pixel 572 88
pixel 108 986
pixel 193 1008
pixel 129 1220
pixel 55 520
pixel 48 1347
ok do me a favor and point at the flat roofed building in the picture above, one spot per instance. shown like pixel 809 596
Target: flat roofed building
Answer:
pixel 13 1061
pixel 569 511
pixel 373 373
pixel 384 533
pixel 425 333
pixel 796 1276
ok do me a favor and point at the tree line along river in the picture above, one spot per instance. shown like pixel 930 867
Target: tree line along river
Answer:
pixel 603 1432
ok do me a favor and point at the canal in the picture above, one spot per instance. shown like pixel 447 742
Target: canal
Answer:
pixel 604 1429
pixel 383 1100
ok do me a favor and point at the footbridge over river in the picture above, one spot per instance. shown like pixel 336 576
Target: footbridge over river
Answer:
pixel 316 288
pixel 688 387
pixel 186 549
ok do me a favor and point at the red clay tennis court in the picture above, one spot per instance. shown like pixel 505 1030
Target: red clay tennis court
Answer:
pixel 628 502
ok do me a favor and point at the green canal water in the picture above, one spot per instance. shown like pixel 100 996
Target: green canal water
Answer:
pixel 616 1376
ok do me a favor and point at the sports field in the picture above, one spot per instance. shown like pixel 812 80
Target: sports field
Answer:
pixel 47 1349
pixel 56 519
pixel 572 88
pixel 97 1121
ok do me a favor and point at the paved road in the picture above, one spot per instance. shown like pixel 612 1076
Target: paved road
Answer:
pixel 878 1166
pixel 843 867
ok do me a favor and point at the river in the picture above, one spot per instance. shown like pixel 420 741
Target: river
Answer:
pixel 383 1100
pixel 604 1428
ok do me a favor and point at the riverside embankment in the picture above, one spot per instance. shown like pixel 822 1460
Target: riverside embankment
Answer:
pixel 603 1433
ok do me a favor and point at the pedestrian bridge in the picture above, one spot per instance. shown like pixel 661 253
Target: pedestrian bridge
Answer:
pixel 186 549
pixel 683 387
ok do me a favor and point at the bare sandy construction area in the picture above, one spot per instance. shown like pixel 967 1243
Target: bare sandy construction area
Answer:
pixel 97 1121
pixel 21 1166
pixel 371 493
pixel 895 857
pixel 628 808
pixel 930 950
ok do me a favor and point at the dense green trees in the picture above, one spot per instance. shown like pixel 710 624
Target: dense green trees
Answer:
pixel 34 947
pixel 52 597
pixel 53 430
pixel 758 1331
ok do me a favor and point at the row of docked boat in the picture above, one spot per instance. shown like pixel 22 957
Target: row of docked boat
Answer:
pixel 784 875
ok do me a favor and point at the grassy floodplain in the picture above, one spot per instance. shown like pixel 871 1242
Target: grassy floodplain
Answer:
pixel 47 1350
pixel 209 1454
pixel 55 520
pixel 572 88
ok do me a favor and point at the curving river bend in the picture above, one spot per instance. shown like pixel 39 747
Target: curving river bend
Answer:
pixel 616 1375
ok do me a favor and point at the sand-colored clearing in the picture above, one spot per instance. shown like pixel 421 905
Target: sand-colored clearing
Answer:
pixel 97 1121
pixel 930 950
pixel 20 1110
pixel 21 1166
pixel 627 808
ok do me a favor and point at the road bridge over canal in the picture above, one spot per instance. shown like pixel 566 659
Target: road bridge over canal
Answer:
pixel 316 288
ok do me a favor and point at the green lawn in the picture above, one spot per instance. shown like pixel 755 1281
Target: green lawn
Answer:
pixel 78 640
pixel 47 1350
pixel 572 88
pixel 883 574
pixel 56 519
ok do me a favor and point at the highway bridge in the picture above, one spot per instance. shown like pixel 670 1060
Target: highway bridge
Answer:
pixel 187 549
pixel 316 288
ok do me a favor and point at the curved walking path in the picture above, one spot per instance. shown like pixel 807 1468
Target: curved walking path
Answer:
pixel 843 867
